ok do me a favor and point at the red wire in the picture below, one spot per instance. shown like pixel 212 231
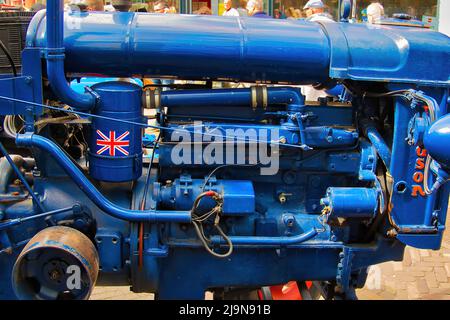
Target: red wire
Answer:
pixel 141 245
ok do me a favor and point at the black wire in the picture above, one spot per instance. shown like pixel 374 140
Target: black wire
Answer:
pixel 8 55
pixel 147 182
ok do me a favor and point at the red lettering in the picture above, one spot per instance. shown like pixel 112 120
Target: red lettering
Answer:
pixel 420 164
pixel 421 152
pixel 418 177
pixel 417 189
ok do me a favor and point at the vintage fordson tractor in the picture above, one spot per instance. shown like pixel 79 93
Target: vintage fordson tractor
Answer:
pixel 245 187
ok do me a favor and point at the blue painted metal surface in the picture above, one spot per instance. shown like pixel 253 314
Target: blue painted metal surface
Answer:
pixel 351 202
pixel 429 210
pixel 54 53
pixel 235 39
pixel 302 51
pixel 27 87
pixel 71 169
pixel 329 151
pixel 407 56
pixel 378 142
pixel 116 147
pixel 79 85
pixel 437 140
pixel 238 195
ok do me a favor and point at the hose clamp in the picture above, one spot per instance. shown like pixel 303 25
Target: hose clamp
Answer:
pixel 254 101
pixel 93 93
pixel 54 53
pixel 152 99
pixel 259 97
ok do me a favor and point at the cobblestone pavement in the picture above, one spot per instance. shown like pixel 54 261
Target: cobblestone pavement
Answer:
pixel 423 274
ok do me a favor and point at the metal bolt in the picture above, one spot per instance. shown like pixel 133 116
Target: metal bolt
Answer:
pixel 54 274
pixel 392 233
pixel 289 220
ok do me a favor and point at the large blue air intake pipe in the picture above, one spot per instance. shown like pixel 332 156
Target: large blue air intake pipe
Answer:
pixel 124 44
pixel 33 140
pixel 55 59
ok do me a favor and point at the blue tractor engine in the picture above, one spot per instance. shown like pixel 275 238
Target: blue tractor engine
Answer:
pixel 243 188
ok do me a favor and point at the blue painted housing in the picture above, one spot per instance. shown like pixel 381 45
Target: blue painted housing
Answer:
pixel 351 202
pixel 116 147
pixel 238 195
pixel 246 49
pixel 348 159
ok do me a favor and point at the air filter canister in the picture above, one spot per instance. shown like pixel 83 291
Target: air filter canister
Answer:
pixel 115 150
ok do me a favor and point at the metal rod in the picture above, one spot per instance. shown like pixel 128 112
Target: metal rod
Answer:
pixel 33 140
pixel 13 222
pixel 269 241
pixel 21 177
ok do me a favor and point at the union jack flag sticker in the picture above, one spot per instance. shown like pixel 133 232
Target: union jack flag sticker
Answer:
pixel 112 144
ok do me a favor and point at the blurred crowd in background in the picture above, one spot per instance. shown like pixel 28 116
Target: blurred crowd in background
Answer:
pixel 366 10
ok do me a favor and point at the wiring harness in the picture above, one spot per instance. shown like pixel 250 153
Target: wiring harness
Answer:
pixel 215 213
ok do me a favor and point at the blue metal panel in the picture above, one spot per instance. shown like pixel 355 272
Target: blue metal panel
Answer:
pixel 109 246
pixel 407 57
pixel 27 87
pixel 408 190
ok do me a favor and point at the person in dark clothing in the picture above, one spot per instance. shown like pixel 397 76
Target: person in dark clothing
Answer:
pixel 255 9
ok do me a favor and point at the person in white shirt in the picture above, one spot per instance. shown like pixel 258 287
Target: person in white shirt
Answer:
pixel 229 10
pixel 375 11
pixel 315 11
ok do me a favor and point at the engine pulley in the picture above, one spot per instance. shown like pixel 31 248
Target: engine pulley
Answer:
pixel 58 263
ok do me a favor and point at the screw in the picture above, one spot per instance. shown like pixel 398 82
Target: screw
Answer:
pixel 392 233
pixel 54 274
pixel 289 220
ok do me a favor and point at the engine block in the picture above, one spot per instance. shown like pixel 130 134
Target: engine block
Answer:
pixel 238 188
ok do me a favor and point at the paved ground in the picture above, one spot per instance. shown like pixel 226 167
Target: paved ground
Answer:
pixel 423 274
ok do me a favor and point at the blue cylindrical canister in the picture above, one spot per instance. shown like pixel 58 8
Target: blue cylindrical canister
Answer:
pixel 351 202
pixel 115 150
